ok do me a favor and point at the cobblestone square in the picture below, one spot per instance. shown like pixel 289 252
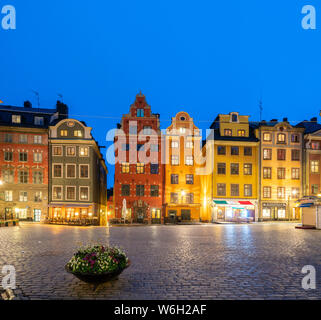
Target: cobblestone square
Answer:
pixel 258 261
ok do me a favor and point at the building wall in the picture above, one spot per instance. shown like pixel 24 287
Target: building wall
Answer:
pixel 280 206
pixel 182 188
pixel 24 207
pixel 140 208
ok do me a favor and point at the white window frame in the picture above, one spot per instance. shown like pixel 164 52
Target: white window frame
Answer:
pixel 85 156
pixel 8 194
pixel 62 192
pixel 56 155
pixel 66 193
pixel 80 193
pixel 66 171
pixel 40 156
pixel 174 144
pixel 87 165
pixel 67 155
pixel 36 138
pixel 24 196
pixel 53 170
pixel 189 160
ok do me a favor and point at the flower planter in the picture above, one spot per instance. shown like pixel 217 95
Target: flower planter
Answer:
pixel 97 264
pixel 97 279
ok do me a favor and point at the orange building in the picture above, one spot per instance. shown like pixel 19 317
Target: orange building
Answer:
pixel 182 183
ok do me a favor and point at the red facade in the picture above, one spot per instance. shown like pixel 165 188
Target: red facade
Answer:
pixel 139 174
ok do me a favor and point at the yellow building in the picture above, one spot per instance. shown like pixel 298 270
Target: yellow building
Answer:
pixel 230 191
pixel 182 185
pixel 281 170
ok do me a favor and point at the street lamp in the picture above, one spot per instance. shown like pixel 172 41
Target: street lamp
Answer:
pixel 1 182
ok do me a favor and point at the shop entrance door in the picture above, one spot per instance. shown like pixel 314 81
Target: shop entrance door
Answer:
pixel 172 216
pixel 37 215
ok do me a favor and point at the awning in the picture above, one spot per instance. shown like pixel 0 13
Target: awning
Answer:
pixel 246 203
pixel 220 202
pixel 306 205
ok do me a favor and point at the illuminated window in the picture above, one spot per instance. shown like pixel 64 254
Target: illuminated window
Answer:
pixel 266 192
pixel 23 176
pixel 314 165
pixel 241 133
pixel 267 173
pixel 281 192
pixel 228 132
pixel 23 138
pixel 175 160
pixel 266 213
pixel 189 179
pixel 8 176
pixel 23 196
pixel 174 144
pixel 71 151
pixel 63 133
pixel 247 190
pixel 8 195
pixel 281 138
pixel 267 154
pixel 77 133
pixel 140 168
pixel 281 173
pixel 189 160
pixel 315 145
pixel 189 145
pixel 267 136
pixel 125 167
pixel 37 139
pixel 174 197
pixel 247 169
pixel 38 196
pixel 182 130
pixel 37 157
pixel 295 173
pixel 39 121
pixel 84 193
pixel 16 119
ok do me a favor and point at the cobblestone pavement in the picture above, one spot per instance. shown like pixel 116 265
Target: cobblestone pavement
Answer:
pixel 259 261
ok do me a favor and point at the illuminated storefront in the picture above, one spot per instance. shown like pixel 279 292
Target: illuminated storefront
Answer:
pixel 234 210
pixel 68 214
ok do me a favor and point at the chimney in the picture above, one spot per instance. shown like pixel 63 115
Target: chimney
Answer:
pixel 314 119
pixel 27 104
pixel 274 120
pixel 285 119
pixel 118 126
pixel 62 109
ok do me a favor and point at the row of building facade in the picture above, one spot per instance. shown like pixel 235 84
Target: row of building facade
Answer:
pixel 243 170
pixel 52 169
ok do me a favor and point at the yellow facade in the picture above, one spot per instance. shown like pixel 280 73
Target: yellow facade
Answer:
pixel 281 171
pixel 233 184
pixel 182 183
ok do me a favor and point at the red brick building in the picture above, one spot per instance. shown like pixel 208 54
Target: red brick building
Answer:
pixel 139 173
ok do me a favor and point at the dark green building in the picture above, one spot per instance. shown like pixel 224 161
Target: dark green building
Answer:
pixel 77 176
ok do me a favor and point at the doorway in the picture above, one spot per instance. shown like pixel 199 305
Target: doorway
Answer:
pixel 36 215
pixel 172 214
pixel 186 215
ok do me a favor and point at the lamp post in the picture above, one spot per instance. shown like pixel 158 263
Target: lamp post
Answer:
pixel 293 193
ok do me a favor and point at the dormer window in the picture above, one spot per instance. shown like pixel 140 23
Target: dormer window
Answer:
pixel 234 117
pixel 140 113
pixel 39 121
pixel 16 118
pixel 228 132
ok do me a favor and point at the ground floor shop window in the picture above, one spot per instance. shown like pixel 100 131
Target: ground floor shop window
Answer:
pixel 281 213
pixel 267 213
pixel 37 215
pixel 22 213
pixel 156 214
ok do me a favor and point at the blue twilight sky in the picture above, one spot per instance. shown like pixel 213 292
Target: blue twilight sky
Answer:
pixel 204 57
